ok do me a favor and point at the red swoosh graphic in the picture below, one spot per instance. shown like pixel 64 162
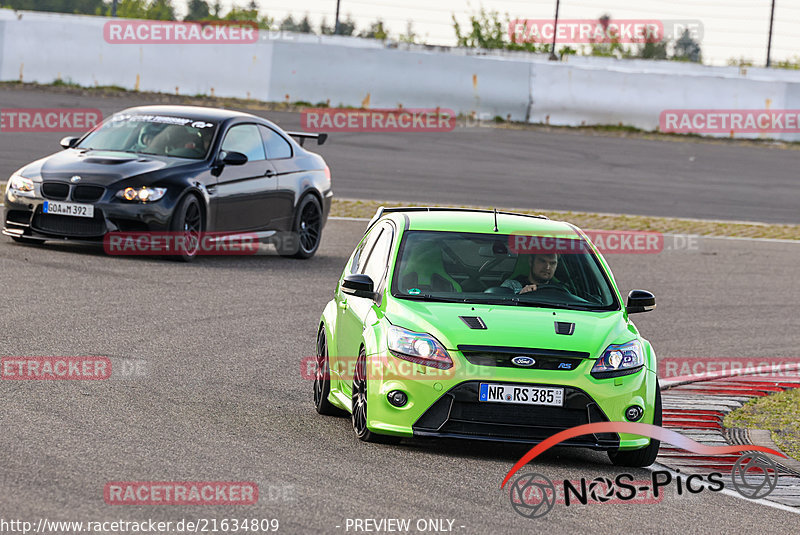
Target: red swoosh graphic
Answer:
pixel 645 430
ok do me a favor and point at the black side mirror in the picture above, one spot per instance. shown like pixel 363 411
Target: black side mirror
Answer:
pixel 69 142
pixel 640 301
pixel 359 285
pixel 232 158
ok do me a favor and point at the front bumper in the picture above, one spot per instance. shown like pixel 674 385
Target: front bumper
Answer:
pixel 444 403
pixel 24 218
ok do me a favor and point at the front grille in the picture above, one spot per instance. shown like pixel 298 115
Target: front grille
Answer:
pixel 544 359
pixel 87 193
pixel 69 226
pixel 55 190
pixel 459 413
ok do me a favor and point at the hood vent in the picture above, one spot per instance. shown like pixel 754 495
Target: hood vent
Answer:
pixel 473 322
pixel 564 327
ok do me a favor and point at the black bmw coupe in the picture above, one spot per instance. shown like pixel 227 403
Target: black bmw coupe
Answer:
pixel 176 169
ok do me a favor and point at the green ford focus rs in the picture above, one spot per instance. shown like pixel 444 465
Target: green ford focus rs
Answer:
pixel 487 326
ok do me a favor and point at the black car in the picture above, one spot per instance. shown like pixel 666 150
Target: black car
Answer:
pixel 176 169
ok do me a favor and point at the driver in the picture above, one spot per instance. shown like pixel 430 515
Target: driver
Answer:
pixel 542 269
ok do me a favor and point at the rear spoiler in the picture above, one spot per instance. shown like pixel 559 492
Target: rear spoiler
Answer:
pixel 321 138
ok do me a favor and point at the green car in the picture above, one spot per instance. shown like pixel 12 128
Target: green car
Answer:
pixel 487 326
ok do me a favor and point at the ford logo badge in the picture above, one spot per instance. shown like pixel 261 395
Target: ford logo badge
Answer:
pixel 523 361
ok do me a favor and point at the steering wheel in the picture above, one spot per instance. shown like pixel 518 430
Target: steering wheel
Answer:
pixel 551 288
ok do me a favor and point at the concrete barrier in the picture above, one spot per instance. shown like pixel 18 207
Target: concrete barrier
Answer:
pixel 347 71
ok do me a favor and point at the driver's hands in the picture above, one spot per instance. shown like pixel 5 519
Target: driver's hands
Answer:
pixel 528 288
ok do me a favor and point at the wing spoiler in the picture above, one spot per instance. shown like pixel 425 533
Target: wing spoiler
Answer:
pixel 302 136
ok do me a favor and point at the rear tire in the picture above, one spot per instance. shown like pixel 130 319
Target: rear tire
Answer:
pixel 188 219
pixel 322 379
pixel 644 456
pixel 359 405
pixel 304 238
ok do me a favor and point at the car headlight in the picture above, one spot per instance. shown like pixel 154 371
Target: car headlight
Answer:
pixel 143 194
pixel 618 360
pixel 20 186
pixel 420 348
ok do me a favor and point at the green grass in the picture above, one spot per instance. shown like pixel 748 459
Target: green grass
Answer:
pixel 778 413
pixel 589 220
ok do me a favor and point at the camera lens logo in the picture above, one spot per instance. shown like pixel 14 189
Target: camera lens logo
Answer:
pixel 601 489
pixel 754 475
pixel 532 495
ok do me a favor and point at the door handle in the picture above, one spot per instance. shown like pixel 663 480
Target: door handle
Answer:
pixel 269 173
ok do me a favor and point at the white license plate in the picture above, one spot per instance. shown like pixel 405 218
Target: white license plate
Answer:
pixel 68 208
pixel 530 395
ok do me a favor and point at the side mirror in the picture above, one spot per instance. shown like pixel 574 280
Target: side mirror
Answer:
pixel 640 301
pixel 359 285
pixel 69 142
pixel 232 158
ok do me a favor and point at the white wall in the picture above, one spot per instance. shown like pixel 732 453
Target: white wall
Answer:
pixel 38 47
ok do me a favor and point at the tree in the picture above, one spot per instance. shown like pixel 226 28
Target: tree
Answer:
pixel 161 10
pixel 485 31
pixel 80 7
pixel 346 27
pixel 304 26
pixel 409 36
pixel 198 10
pixel 375 31
pixel 687 49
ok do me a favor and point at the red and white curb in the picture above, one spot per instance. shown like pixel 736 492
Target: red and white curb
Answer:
pixel 696 409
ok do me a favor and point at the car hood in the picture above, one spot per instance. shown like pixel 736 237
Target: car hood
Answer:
pixel 512 326
pixel 100 167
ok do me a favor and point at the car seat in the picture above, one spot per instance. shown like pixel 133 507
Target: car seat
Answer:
pixel 423 269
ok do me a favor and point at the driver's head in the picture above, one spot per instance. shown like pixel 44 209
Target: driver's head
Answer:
pixel 543 267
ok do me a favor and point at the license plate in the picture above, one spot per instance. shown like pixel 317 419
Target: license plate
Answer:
pixel 68 208
pixel 530 395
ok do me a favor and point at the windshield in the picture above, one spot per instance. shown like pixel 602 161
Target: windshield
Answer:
pixel 489 268
pixel 153 134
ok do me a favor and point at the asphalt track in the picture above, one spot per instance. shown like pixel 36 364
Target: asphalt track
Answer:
pixel 557 169
pixel 218 345
pixel 219 395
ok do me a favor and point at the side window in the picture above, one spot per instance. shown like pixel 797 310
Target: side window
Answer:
pixel 363 253
pixel 277 147
pixel 376 263
pixel 245 138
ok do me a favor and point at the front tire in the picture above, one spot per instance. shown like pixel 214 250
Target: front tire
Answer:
pixel 359 405
pixel 322 378
pixel 643 456
pixel 188 219
pixel 306 234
